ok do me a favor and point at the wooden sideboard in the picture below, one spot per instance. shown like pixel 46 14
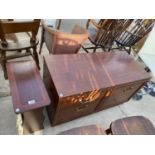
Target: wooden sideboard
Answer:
pixel 81 84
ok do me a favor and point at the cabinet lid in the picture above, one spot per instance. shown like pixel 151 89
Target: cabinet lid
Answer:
pixel 78 73
pixel 122 68
pixel 27 88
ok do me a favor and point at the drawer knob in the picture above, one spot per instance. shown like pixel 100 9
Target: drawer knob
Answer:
pixel 83 102
pixel 108 93
pixel 81 108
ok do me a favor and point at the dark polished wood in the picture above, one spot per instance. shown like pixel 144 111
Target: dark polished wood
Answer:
pixel 80 84
pixel 11 28
pixel 135 125
pixel 27 89
pixel 85 130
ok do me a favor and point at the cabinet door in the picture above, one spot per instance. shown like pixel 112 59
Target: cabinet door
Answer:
pixel 73 112
pixel 77 106
pixel 118 95
pixel 81 99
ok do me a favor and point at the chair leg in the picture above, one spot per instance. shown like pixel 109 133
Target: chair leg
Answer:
pixel 3 63
pixel 108 131
pixel 42 40
pixel 85 49
pixel 28 51
pixel 129 51
pixel 19 51
pixel 35 56
pixel 95 49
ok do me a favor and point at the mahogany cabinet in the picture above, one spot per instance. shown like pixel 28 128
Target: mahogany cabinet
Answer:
pixel 81 84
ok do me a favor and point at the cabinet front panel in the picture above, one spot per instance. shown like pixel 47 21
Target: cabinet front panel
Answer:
pixel 118 95
pixel 71 113
pixel 81 99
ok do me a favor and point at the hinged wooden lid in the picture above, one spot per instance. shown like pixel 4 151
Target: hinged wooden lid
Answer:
pixel 27 89
pixel 77 73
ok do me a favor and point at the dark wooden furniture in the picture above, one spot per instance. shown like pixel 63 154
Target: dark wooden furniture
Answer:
pixel 58 24
pixel 59 42
pixel 85 130
pixel 137 30
pixel 6 47
pixel 28 92
pixel 103 33
pixel 80 84
pixel 135 125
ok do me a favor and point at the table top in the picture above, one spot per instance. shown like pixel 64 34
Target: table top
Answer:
pixel 78 73
pixel 27 89
pixel 85 130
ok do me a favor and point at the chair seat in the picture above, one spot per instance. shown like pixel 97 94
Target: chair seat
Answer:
pixel 136 125
pixel 13 46
pixel 85 130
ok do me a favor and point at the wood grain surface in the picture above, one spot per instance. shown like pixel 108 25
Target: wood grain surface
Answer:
pixel 27 89
pixel 136 125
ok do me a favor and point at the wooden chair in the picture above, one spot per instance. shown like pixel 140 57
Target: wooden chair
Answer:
pixel 56 24
pixel 12 27
pixel 137 30
pixel 135 125
pixel 103 34
pixel 59 42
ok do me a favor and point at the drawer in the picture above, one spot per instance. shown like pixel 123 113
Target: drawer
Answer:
pixel 74 112
pixel 81 99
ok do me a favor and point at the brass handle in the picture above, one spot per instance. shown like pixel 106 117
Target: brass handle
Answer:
pixel 83 102
pixel 108 93
pixel 81 108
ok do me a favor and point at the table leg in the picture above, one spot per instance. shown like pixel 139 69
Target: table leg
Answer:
pixel 32 121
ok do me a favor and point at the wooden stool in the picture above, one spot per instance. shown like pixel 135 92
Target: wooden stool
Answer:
pixel 85 130
pixel 136 125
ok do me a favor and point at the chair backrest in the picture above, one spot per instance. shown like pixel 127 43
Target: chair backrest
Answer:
pixel 59 42
pixel 109 30
pixel 10 27
pixel 138 29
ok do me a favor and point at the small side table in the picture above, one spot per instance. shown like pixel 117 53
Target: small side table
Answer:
pixel 29 95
